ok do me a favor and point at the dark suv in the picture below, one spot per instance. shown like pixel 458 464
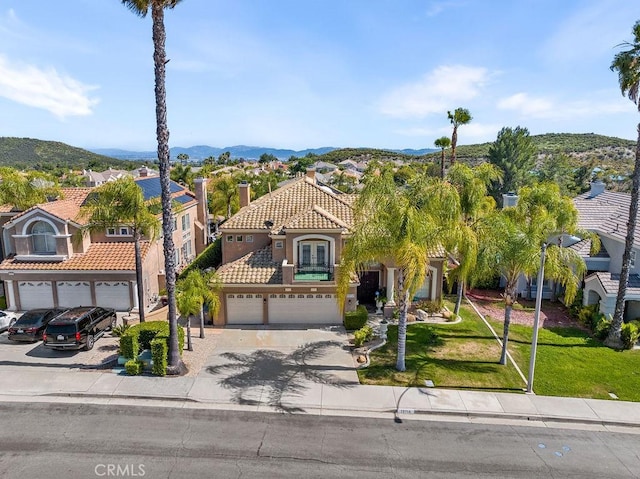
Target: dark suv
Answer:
pixel 31 325
pixel 78 328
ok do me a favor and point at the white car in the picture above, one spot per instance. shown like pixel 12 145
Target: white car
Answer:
pixel 7 318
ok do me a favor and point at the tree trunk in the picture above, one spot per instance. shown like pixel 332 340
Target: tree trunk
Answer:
pixel 442 165
pixel 454 142
pixel 201 317
pixel 140 288
pixel 613 339
pixel 402 322
pixel 529 288
pixel 162 133
pixel 456 310
pixel 189 343
pixel 507 322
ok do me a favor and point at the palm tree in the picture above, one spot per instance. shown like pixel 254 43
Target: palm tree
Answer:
pixel 193 292
pixel 182 174
pixel 627 64
pixel 512 246
pixel 443 142
pixel 224 196
pixel 141 8
pixel 472 185
pixel 122 203
pixel 24 190
pixel 398 225
pixel 460 116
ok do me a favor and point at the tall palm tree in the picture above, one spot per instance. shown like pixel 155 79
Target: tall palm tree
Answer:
pixel 443 142
pixel 141 8
pixel 472 185
pixel 512 247
pixel 460 116
pixel 122 203
pixel 627 64
pixel 193 292
pixel 399 225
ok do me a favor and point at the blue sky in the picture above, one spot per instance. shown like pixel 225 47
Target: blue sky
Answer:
pixel 303 74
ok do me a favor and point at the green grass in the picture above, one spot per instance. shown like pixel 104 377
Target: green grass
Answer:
pixel 465 356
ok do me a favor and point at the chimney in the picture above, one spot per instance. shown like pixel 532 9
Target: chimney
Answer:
pixel 509 199
pixel 597 187
pixel 143 172
pixel 311 174
pixel 202 212
pixel 244 192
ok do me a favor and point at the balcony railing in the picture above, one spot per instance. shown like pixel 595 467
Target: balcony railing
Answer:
pixel 313 272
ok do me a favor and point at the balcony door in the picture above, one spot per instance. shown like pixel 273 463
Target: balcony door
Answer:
pixel 314 253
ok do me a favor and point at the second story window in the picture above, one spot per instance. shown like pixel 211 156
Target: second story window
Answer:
pixel 42 238
pixel 185 222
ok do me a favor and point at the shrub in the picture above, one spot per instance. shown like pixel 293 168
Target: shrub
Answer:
pixel 159 353
pixel 129 346
pixel 431 307
pixel 120 330
pixel 134 367
pixel 211 257
pixel 629 334
pixel 602 327
pixel 356 319
pixel 362 335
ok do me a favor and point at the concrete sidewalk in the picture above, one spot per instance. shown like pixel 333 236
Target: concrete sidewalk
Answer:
pixel 110 387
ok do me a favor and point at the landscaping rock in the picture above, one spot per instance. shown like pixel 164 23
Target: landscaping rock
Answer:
pixel 422 315
pixel 361 359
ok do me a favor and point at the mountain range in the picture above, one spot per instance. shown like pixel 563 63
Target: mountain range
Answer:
pixel 200 152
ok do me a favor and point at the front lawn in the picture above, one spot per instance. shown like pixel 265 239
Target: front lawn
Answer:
pixel 465 355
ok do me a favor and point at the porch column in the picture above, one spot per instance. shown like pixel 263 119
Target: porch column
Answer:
pixel 391 284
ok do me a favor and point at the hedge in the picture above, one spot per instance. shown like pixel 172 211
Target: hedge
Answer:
pixel 211 257
pixel 150 335
pixel 134 367
pixel 356 319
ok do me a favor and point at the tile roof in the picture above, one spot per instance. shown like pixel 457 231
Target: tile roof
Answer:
pixel 289 201
pixel 315 218
pixel 611 281
pixel 606 213
pixel 99 257
pixel 583 248
pixel 257 267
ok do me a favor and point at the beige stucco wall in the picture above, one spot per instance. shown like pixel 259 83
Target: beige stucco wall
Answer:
pixel 232 250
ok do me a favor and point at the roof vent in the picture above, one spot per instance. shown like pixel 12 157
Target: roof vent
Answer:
pixel 269 224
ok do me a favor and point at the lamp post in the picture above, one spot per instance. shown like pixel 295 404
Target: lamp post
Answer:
pixel 536 319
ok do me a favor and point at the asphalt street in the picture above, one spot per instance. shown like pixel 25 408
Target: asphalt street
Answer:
pixel 89 440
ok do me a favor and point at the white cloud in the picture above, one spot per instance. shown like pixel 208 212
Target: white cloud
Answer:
pixel 436 8
pixel 549 109
pixel 47 89
pixel 438 91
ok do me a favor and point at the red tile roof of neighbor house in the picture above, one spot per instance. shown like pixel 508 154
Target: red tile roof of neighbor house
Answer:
pixel 99 257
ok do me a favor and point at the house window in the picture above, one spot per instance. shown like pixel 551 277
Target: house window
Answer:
pixel 124 231
pixel 632 264
pixel 42 238
pixel 119 231
pixel 185 222
pixel 313 253
pixel 279 244
pixel 174 223
pixel 239 239
pixel 111 231
pixel 248 239
pixel 229 238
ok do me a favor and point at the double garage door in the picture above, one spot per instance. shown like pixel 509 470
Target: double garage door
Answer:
pixel 39 294
pixel 283 309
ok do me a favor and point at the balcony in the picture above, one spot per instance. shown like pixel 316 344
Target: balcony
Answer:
pixel 313 272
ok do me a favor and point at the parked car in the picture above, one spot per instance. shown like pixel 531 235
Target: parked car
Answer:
pixel 31 325
pixel 78 328
pixel 7 318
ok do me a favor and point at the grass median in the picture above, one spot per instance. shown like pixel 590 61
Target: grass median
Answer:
pixel 465 356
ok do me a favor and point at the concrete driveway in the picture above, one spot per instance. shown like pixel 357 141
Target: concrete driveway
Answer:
pixel 280 368
pixel 14 353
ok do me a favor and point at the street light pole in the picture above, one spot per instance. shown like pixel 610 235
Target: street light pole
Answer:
pixel 536 319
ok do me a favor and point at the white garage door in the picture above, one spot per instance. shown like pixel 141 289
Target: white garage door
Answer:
pixel 244 309
pixel 35 294
pixel 113 294
pixel 304 309
pixel 74 293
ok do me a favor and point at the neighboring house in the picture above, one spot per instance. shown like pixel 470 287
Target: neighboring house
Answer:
pixel 606 213
pixel 98 178
pixel 324 167
pixel 281 254
pixel 46 267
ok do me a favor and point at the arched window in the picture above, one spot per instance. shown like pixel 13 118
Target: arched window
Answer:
pixel 42 238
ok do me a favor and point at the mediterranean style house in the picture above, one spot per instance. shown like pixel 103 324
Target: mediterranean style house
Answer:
pixel 45 267
pixel 606 213
pixel 281 254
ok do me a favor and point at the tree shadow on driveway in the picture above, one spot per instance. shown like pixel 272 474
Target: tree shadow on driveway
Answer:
pixel 281 374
